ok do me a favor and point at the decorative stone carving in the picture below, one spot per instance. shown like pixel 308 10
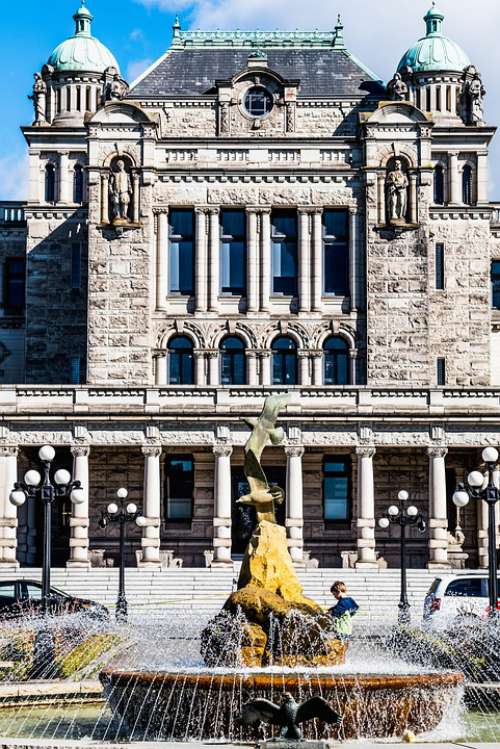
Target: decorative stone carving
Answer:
pixel 396 188
pixel 474 93
pixel 39 99
pixel 117 88
pixel 120 193
pixel 290 117
pixel 224 117
pixel 397 88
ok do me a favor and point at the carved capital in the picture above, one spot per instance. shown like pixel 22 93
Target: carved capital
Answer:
pixel 80 451
pixel 9 451
pixel 222 450
pixel 365 451
pixel 159 353
pixel 294 451
pixel 437 451
pixel 151 451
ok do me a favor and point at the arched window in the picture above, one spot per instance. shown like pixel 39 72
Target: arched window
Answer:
pixel 180 361
pixel 50 183
pixel 336 361
pixel 467 185
pixel 78 184
pixel 439 185
pixel 284 361
pixel 232 361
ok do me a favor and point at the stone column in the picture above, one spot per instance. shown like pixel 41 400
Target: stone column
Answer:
pixel 366 508
pixel 482 533
pixel 438 520
pixel 353 357
pixel 304 262
pixel 222 505
pixel 265 260
pixel 162 251
pixel 265 368
pixel 213 367
pixel 201 273
pixel 252 262
pixel 304 362
pixel 199 365
pixel 353 259
pixel 318 367
pixel 65 184
pixel 413 199
pixel 161 369
pixel 317 274
pixel 295 502
pixel 482 177
pixel 381 198
pixel 8 512
pixel 136 194
pixel 151 507
pixel 455 192
pixel 252 378
pixel 79 521
pixel 214 259
pixel 104 198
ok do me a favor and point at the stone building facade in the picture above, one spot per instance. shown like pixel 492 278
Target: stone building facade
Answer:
pixel 258 212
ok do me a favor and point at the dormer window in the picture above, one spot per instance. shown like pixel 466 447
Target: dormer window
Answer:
pixel 258 102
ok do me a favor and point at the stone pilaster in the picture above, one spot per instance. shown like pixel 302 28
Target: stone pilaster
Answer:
pixel 252 262
pixel 317 367
pixel 252 377
pixel 438 520
pixel 201 274
pixel 8 512
pixel 265 367
pixel 79 521
pixel 222 505
pixel 304 364
pixel 366 508
pixel 317 262
pixel 295 502
pixel 151 506
pixel 161 367
pixel 265 260
pixel 213 367
pixel 162 251
pixel 213 217
pixel 304 261
pixel 199 366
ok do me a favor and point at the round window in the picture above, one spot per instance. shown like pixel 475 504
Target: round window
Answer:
pixel 258 102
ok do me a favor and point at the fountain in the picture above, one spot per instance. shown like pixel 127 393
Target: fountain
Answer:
pixel 270 639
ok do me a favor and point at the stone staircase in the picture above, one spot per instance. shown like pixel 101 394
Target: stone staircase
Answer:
pixel 204 590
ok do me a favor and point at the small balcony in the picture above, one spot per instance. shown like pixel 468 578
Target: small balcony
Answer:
pixel 12 213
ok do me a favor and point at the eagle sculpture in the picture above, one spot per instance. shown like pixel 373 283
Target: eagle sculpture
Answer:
pixel 289 714
pixel 261 496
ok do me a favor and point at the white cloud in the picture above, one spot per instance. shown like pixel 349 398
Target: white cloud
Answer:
pixel 14 176
pixel 135 68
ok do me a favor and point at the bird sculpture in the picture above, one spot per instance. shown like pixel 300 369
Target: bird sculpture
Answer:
pixel 289 714
pixel 261 495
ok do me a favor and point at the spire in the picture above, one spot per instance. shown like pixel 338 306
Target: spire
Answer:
pixel 434 21
pixel 338 41
pixel 176 28
pixel 83 21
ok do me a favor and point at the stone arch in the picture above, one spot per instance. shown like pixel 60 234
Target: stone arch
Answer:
pixel 127 153
pixel 238 332
pixel 346 335
pixel 403 153
pixel 166 335
pixel 277 333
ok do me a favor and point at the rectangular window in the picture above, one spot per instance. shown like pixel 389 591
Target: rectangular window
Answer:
pixel 440 266
pixel 284 252
pixel 335 253
pixel 15 284
pixel 441 372
pixel 179 484
pixel 76 266
pixel 233 252
pixel 337 488
pixel 76 370
pixel 181 252
pixel 495 284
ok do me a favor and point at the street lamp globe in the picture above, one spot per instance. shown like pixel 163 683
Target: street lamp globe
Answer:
pixel 490 455
pixel 46 453
pixel 131 508
pixel 122 493
pixel 112 508
pixel 403 495
pixel 62 477
pixel 383 523
pixel 17 497
pixel 32 478
pixel 77 496
pixel 475 479
pixel 393 510
pixel 460 498
pixel 412 511
pixel 141 521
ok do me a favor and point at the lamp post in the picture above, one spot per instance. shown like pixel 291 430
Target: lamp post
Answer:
pixel 115 513
pixel 482 486
pixel 36 486
pixel 403 516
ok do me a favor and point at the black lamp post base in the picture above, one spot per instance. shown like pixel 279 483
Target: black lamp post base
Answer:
pixel 121 614
pixel 404 616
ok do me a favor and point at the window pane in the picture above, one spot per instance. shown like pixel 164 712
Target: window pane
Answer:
pixel 336 488
pixel 180 485
pixel 233 252
pixel 15 283
pixel 181 223
pixel 180 361
pixel 440 266
pixel 336 268
pixel 233 223
pixel 284 253
pixel 335 224
pixel 495 284
pixel 284 224
pixel 181 252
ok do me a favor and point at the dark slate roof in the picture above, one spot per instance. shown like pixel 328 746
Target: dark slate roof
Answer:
pixel 321 72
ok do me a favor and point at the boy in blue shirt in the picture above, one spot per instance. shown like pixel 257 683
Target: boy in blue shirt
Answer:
pixel 343 611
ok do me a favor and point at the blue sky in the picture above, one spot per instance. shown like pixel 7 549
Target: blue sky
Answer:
pixel 139 31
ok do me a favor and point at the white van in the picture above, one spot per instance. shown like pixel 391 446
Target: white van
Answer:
pixel 452 596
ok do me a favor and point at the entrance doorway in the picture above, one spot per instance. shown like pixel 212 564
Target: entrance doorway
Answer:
pixel 244 517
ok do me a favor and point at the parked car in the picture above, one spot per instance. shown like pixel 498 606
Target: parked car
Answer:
pixel 452 596
pixel 20 598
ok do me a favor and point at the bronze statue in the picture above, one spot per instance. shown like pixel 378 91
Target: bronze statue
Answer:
pixel 289 714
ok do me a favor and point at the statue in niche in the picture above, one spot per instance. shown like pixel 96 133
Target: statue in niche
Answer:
pixel 397 88
pixel 396 187
pixel 120 192
pixel 474 97
pixel 39 99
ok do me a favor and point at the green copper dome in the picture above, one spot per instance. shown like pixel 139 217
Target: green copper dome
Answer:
pixel 434 51
pixel 82 52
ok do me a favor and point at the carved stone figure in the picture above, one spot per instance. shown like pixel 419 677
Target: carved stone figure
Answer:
pixel 120 191
pixel 117 89
pixel 224 117
pixel 39 98
pixel 397 88
pixel 396 186
pixel 475 94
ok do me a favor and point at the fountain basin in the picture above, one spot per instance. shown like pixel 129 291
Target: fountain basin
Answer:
pixel 202 705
